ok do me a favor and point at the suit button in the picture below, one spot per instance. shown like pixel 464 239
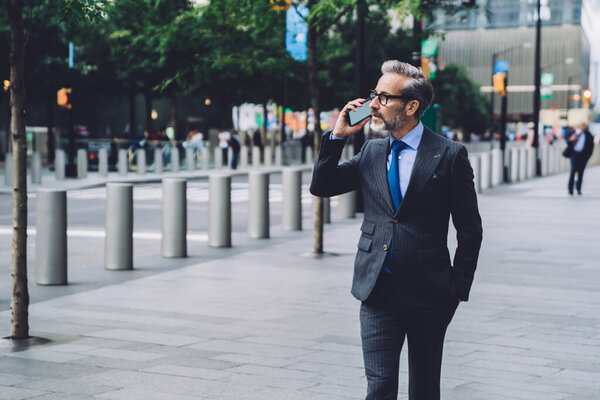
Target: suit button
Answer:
pixel 385 247
pixel 395 220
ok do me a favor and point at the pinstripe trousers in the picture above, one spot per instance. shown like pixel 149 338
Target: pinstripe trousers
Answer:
pixel 384 326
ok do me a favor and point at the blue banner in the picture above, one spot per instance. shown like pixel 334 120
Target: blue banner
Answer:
pixel 501 66
pixel 297 30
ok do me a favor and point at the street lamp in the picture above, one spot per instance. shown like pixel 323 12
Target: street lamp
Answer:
pixel 526 46
pixel 568 61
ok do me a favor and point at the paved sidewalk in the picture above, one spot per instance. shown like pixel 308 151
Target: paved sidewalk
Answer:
pixel 270 321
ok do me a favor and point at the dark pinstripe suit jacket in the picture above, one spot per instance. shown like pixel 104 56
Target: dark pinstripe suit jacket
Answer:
pixel 441 185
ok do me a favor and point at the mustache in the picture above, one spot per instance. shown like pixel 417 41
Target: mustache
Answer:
pixel 376 114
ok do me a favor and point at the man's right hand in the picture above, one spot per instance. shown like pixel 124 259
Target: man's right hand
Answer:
pixel 342 129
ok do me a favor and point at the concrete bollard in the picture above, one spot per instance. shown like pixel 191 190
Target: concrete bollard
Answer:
pixel 347 205
pixel 292 199
pixel 36 168
pixel 158 161
pixel 543 152
pixel 255 157
pixel 258 205
pixel 268 156
pixel 189 159
pixel 51 237
pixel 59 165
pixel 486 170
pixel 8 169
pixel 513 169
pixel 326 210
pixel 309 155
pixel 103 162
pixel 278 156
pixel 174 218
pixel 141 161
pixel 123 162
pixel 219 210
pixel 205 158
pixel 218 158
pixel 475 161
pixel 522 163
pixel 175 162
pixel 530 162
pixel 497 173
pixel 244 157
pixel 118 243
pixel 81 163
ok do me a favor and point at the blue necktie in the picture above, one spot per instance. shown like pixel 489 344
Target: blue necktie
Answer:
pixel 394 183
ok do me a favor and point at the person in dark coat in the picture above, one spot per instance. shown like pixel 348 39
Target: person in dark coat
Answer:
pixel 582 143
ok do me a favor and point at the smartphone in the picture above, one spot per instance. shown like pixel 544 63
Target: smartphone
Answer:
pixel 362 112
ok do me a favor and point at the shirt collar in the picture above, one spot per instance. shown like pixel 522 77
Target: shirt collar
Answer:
pixel 412 138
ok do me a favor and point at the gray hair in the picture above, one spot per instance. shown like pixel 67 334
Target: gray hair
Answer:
pixel 417 87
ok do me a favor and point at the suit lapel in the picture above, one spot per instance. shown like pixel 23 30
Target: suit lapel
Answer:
pixel 428 157
pixel 380 171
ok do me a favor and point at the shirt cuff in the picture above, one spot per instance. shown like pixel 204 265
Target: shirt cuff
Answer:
pixel 331 137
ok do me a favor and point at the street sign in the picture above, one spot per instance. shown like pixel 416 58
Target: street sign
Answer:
pixel 501 66
pixel 546 82
pixel 296 32
pixel 429 49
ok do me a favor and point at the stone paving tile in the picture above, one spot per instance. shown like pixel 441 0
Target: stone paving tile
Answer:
pixel 45 354
pixel 335 391
pixel 190 372
pixel 74 386
pixel 122 354
pixel 144 337
pixel 44 369
pixel 226 346
pixel 256 360
pixel 140 394
pixel 14 393
pixel 515 392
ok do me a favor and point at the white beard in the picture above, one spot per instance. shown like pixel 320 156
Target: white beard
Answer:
pixel 378 126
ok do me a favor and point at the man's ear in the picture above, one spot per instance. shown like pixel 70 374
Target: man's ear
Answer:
pixel 412 107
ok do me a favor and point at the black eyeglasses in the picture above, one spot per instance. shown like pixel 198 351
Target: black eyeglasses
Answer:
pixel 384 98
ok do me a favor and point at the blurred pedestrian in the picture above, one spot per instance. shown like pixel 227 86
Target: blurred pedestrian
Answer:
pixel 234 143
pixel 224 138
pixel 581 146
pixel 257 141
pixel 411 183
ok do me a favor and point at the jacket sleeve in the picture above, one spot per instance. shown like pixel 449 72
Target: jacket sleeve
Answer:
pixel 467 221
pixel 329 178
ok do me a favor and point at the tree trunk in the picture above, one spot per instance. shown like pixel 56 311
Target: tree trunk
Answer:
pixel 132 122
pixel 313 88
pixel 148 98
pixel 20 295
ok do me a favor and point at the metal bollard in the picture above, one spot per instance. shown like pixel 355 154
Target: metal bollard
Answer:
pixel 278 158
pixel 219 210
pixel 486 170
pixel 8 169
pixel 522 163
pixel 103 162
pixel 497 173
pixel 531 162
pixel 543 152
pixel 244 157
pixel 475 161
pixel 218 158
pixel 158 161
pixel 255 157
pixel 189 159
pixel 292 199
pixel 268 156
pixel 309 155
pixel 36 168
pixel 81 163
pixel 118 243
pixel 347 205
pixel 258 205
pixel 205 160
pixel 123 162
pixel 51 237
pixel 59 165
pixel 141 161
pixel 174 218
pixel 175 162
pixel 513 168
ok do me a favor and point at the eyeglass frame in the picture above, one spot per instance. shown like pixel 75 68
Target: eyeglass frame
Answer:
pixel 373 94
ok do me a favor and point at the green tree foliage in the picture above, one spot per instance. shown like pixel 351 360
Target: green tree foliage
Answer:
pixel 461 102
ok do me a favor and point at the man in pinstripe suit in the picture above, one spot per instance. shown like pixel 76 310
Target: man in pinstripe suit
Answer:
pixel 412 183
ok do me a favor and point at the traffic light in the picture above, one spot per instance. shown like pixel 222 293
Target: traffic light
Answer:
pixel 587 96
pixel 63 97
pixel 500 83
pixel 281 5
pixel 6 85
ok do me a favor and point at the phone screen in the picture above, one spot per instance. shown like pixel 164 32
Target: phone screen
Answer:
pixel 362 112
